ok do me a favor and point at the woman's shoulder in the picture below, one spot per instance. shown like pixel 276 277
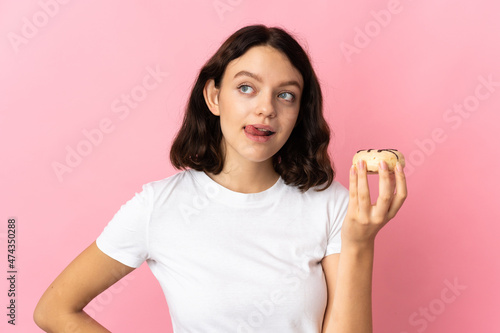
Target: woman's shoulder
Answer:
pixel 171 181
pixel 335 194
pixel 335 189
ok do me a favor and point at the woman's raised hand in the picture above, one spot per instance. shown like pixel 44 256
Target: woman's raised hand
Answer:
pixel 364 219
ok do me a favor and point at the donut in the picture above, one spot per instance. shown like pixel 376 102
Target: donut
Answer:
pixel 372 157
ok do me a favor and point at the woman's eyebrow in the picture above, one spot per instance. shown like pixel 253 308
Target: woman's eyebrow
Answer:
pixel 258 78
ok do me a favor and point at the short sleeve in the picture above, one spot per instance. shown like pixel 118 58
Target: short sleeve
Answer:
pixel 125 238
pixel 337 212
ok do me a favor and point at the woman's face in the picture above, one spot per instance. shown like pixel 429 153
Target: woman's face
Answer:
pixel 260 89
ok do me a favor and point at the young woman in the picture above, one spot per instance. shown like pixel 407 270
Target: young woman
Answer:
pixel 254 235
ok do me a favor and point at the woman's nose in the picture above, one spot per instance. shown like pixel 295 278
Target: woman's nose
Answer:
pixel 266 105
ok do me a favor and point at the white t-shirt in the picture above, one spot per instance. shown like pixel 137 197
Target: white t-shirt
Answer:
pixel 230 261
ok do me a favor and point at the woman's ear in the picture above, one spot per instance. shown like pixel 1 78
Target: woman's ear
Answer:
pixel 211 94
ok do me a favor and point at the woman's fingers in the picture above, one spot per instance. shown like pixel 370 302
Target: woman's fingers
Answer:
pixel 401 191
pixel 386 190
pixel 353 191
pixel 365 219
pixel 392 193
pixel 363 190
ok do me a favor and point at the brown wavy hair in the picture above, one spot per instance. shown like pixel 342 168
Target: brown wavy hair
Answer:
pixel 303 161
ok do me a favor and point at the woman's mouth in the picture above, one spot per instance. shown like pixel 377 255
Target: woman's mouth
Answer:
pixel 260 131
pixel 258 134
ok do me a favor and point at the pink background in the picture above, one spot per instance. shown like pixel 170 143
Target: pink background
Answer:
pixel 394 75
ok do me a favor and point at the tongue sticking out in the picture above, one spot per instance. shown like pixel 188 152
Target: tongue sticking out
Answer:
pixel 254 131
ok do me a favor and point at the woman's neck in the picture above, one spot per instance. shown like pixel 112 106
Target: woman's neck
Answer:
pixel 247 178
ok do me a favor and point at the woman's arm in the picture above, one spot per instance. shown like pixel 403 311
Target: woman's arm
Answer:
pixel 349 279
pixel 61 307
pixel 349 274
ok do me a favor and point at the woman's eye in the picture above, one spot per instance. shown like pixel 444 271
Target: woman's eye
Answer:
pixel 246 89
pixel 287 96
